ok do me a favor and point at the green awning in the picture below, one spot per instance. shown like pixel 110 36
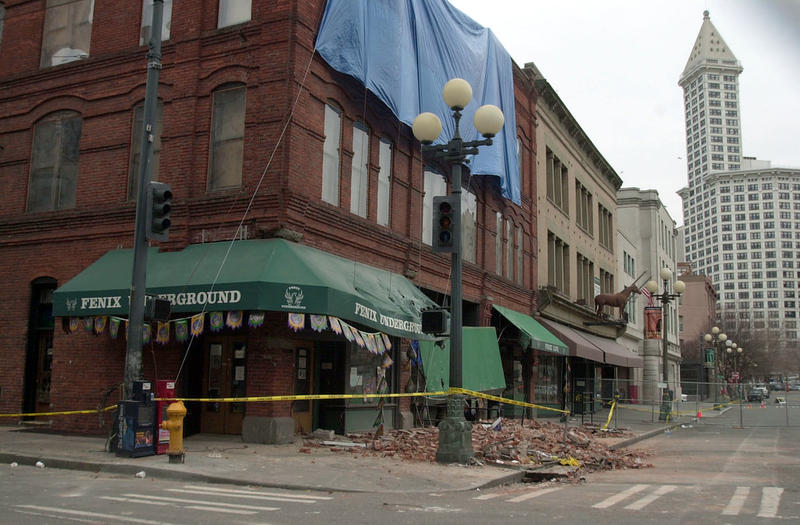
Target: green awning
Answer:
pixel 260 274
pixel 482 369
pixel 540 337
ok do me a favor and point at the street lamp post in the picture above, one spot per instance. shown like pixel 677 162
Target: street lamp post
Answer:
pixel 665 297
pixel 455 432
pixel 715 338
pixel 735 351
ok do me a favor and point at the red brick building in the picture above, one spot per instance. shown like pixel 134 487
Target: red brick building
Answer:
pixel 244 102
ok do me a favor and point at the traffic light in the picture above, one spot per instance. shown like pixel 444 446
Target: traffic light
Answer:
pixel 159 206
pixel 435 321
pixel 444 223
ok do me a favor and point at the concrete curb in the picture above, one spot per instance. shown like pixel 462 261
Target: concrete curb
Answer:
pixel 642 437
pixel 165 473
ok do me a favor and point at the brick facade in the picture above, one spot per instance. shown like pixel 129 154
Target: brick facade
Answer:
pixel 272 56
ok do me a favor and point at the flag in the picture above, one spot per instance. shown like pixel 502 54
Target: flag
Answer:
pixel 648 295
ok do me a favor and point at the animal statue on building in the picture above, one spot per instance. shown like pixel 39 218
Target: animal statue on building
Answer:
pixel 616 300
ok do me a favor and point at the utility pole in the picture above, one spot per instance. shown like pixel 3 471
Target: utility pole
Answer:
pixel 133 356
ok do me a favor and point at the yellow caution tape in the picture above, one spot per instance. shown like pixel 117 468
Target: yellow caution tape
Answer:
pixel 310 397
pixel 62 413
pixel 610 413
pixel 504 400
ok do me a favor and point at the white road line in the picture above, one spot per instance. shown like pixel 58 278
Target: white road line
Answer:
pixel 134 500
pixel 647 500
pixel 193 501
pixel 737 502
pixel 215 509
pixel 770 499
pixel 533 494
pixel 243 495
pixel 87 514
pixel 240 491
pixel 488 496
pixel 616 498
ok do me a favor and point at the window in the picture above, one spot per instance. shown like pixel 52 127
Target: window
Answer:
pixel 435 186
pixel 54 166
pixel 359 175
pixel 583 207
pixel 556 181
pixel 67 31
pixel 509 250
pixel 557 263
pixel 606 227
pixel 585 282
pixel 330 157
pixel 498 243
pixel 2 19
pixel 136 148
pixel 233 12
pixel 519 273
pixel 384 181
pixel 147 21
pixel 227 138
pixel 469 222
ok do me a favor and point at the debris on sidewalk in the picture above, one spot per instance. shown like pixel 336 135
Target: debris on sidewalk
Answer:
pixel 535 444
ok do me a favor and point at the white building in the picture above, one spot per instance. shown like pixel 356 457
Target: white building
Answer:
pixel 648 239
pixel 741 215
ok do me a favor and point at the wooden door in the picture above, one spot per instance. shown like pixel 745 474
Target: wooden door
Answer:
pixel 224 374
pixel 303 384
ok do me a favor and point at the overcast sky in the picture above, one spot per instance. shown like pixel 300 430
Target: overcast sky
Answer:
pixel 616 64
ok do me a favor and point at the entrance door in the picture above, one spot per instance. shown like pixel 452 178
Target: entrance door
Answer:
pixel 224 376
pixel 303 385
pixel 43 371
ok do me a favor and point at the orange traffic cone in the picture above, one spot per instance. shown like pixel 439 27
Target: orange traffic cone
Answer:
pixel 699 415
pixel 763 405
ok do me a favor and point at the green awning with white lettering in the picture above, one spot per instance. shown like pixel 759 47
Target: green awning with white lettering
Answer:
pixel 481 368
pixel 534 335
pixel 260 274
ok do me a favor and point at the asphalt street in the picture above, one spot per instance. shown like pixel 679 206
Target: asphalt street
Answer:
pixel 714 472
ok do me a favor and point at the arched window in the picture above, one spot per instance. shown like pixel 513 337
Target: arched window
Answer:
pixel 54 164
pixel 359 174
pixel 330 155
pixel 227 138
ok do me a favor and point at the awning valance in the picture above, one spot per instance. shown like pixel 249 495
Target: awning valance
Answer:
pixel 578 345
pixel 482 369
pixel 615 353
pixel 260 274
pixel 540 338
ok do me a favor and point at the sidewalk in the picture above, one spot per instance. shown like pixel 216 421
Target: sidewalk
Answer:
pixel 226 459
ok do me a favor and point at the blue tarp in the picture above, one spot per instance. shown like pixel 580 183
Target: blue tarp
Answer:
pixel 404 51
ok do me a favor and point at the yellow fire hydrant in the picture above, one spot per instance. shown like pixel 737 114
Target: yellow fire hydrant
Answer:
pixel 175 412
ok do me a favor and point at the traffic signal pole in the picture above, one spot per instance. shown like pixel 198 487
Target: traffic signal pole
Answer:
pixel 133 356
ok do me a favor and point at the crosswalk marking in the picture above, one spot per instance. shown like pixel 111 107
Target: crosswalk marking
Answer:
pixel 192 502
pixel 244 495
pixel 643 502
pixel 227 511
pixel 254 492
pixel 135 500
pixel 533 494
pixel 616 498
pixel 770 499
pixel 737 501
pixel 86 514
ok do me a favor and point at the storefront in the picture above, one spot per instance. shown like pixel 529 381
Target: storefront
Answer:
pixel 261 318
pixel 535 356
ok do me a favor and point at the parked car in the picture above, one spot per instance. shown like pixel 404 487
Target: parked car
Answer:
pixel 764 390
pixel 777 386
pixel 794 386
pixel 756 395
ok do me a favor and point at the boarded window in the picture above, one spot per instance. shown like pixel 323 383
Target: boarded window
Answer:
pixel 67 31
pixel 54 166
pixel 227 139
pixel 147 21
pixel 136 147
pixel 330 155
pixel 359 175
pixel 498 244
pixel 232 12
pixel 435 186
pixel 469 221
pixel 384 182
